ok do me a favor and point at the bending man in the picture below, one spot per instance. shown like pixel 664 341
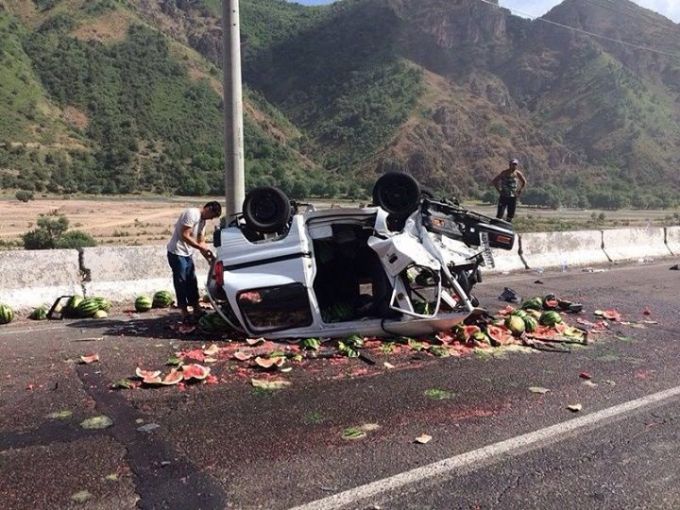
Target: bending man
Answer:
pixel 186 239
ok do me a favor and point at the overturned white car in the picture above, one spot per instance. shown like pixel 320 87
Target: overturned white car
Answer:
pixel 405 266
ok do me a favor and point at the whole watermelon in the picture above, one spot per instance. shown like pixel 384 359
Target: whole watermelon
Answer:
pixel 550 318
pixel 87 307
pixel 104 304
pixel 143 304
pixel 535 303
pixel 39 314
pixel 6 314
pixel 515 324
pixel 162 299
pixel 530 324
pixel 72 306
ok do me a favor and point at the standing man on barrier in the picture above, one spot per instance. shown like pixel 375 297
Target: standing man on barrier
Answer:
pixel 510 183
pixel 188 237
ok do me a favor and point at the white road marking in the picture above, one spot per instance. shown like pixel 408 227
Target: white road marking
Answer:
pixel 487 454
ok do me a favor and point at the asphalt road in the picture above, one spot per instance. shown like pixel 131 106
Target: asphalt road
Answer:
pixel 494 443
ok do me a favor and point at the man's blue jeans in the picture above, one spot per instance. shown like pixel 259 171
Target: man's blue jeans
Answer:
pixel 184 278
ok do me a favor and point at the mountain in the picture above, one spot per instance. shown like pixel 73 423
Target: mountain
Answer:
pixel 100 96
pixel 445 89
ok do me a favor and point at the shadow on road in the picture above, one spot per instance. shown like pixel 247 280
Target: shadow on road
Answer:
pixel 165 327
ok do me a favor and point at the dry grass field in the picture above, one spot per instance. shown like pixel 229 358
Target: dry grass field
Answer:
pixel 126 221
pixel 149 220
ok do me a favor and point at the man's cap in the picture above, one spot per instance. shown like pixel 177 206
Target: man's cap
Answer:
pixel 514 162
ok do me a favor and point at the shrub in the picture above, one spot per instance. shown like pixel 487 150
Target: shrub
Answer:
pixel 24 196
pixel 52 233
pixel 75 239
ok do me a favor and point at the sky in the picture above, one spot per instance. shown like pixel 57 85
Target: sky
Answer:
pixel 668 8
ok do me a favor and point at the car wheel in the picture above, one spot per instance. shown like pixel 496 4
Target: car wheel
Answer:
pixel 397 193
pixel 266 209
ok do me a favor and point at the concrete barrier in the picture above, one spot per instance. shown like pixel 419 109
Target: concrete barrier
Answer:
pixel 673 239
pixel 635 243
pixel 122 273
pixel 553 249
pixel 33 278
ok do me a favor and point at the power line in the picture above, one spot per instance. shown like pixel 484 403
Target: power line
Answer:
pixel 586 32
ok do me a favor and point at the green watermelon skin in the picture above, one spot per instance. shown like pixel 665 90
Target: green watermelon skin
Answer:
pixel 143 304
pixel 162 299
pixel 6 314
pixel 39 314
pixel 87 307
pixel 71 309
pixel 104 304
pixel 530 324
pixel 550 318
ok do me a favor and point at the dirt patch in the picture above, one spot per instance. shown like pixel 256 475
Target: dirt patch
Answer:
pixel 112 27
pixel 75 118
pixel 198 74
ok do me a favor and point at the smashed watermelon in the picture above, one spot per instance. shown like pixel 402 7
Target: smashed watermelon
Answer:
pixel 147 374
pixel 268 363
pixel 174 377
pixel 195 371
pixel 499 335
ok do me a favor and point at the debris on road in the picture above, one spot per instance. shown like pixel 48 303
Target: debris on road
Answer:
pixel 272 385
pixel 509 296
pixel 81 496
pixel 610 315
pixel 60 415
pixel 88 359
pixel 96 422
pixel 539 390
pixel 353 433
pixel 423 439
pixel 439 394
pixel 148 427
pixel 575 408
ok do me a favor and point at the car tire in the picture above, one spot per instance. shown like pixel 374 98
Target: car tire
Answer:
pixel 397 193
pixel 266 209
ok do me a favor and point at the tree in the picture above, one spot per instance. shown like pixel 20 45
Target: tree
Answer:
pixel 52 233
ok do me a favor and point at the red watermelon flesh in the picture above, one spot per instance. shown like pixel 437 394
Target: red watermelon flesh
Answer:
pixel 195 371
pixel 499 335
pixel 174 377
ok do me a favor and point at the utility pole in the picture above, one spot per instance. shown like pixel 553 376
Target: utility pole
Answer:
pixel 234 174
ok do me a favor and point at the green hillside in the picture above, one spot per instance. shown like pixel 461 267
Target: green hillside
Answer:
pixel 146 123
pixel 113 96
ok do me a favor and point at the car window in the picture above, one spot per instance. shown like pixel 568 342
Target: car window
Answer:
pixel 276 308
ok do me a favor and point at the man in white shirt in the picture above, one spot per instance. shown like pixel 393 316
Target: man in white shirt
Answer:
pixel 186 239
